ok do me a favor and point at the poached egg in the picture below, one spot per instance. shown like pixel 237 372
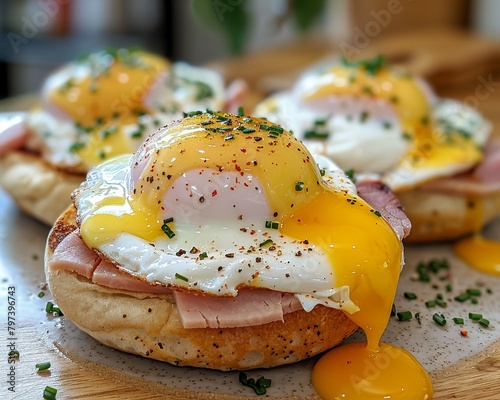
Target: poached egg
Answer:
pixel 217 202
pixel 103 104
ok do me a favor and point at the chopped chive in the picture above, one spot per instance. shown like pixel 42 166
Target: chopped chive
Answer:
pixel 203 255
pixel 13 354
pixel 484 322
pixel 273 134
pixel 489 291
pixel 462 297
pixel 41 294
pixel 377 213
pixel 423 275
pixel 320 122
pixel 42 366
pixel 322 172
pixel 299 186
pixel 393 310
pixel 49 393
pixel 56 312
pixel 136 135
pixel 439 319
pixel 181 277
pixel 75 147
pixel 350 174
pixel 241 128
pixel 449 287
pixel 404 315
pixel 266 242
pixel 276 128
pixel 272 224
pixel 441 303
pixel 247 120
pixel 248 130
pixel 166 229
pixel 474 292
pixel 474 300
pixel 312 134
pixel 194 113
pixel 229 136
pixel 410 295
pixel 458 320
pixel 49 307
pixel 430 303
pixel 417 316
pixel 206 123
pixel 259 386
pixel 241 112
pixel 168 220
pixel 264 127
pixel 475 316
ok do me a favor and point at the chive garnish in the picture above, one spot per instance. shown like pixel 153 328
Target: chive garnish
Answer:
pixel 49 307
pixel 458 320
pixel 259 386
pixel 313 134
pixel 13 354
pixel 203 255
pixel 350 174
pixel 430 303
pixel 404 315
pixel 439 319
pixel 475 316
pixel 136 135
pixel 474 300
pixel 247 120
pixel 322 172
pixel 41 294
pixel 241 112
pixel 417 316
pixel 166 229
pixel 393 310
pixel 76 147
pixel 484 322
pixel 168 220
pixel 276 128
pixel 474 292
pixel 449 287
pixel 266 242
pixel 264 127
pixel 206 123
pixel 299 186
pixel 248 130
pixel 272 225
pixel 229 136
pixel 49 393
pixel 194 113
pixel 222 118
pixel 56 312
pixel 42 366
pixel 441 303
pixel 462 297
pixel 377 213
pixel 181 277
pixel 410 295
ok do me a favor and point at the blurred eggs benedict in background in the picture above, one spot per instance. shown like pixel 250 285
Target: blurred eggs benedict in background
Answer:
pixel 245 250
pixel 97 107
pixel 435 154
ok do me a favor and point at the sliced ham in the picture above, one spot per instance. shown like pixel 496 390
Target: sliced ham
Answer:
pixel 482 180
pixel 13 132
pixel 249 308
pixel 73 255
pixel 107 274
pixel 382 199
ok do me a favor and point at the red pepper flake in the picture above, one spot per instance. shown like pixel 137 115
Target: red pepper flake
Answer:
pixel 463 332
pixel 243 150
pixel 214 193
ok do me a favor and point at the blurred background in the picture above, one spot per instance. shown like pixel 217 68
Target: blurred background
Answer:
pixel 267 42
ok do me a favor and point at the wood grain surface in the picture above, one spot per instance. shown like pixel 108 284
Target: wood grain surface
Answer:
pixel 456 63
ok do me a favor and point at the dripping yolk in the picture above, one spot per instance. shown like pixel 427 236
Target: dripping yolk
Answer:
pixel 104 92
pixel 431 145
pixel 478 252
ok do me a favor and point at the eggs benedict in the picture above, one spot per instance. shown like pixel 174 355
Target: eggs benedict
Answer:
pixel 223 243
pixel 435 154
pixel 97 107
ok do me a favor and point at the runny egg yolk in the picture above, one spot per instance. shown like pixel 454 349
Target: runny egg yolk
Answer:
pixel 102 93
pixel 478 252
pixel 363 250
pixel 431 145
